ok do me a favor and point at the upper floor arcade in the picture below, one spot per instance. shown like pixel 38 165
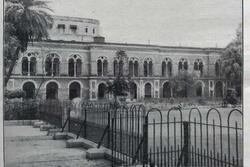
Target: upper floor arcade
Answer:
pixel 72 59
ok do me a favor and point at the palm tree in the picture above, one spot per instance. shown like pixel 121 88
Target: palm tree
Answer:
pixel 25 21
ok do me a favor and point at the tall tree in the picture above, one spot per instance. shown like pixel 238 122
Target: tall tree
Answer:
pixel 120 85
pixel 232 61
pixel 25 21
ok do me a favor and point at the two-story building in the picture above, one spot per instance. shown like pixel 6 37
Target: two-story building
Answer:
pixel 76 62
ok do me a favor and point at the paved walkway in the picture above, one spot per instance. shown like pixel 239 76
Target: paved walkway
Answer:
pixel 29 147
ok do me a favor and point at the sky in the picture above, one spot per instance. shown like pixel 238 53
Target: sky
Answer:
pixel 198 23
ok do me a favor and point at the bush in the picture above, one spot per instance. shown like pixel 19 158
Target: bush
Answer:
pixel 201 101
pixel 14 94
pixel 24 110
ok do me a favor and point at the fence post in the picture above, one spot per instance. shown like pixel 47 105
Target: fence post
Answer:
pixel 68 116
pixel 108 129
pixel 145 142
pixel 186 149
pixel 85 122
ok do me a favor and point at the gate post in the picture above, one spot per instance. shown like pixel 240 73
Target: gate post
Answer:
pixel 186 148
pixel 145 142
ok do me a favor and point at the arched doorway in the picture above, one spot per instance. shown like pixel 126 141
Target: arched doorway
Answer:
pixel 166 90
pixel 74 90
pixel 52 90
pixel 133 90
pixel 101 91
pixel 147 90
pixel 198 90
pixel 219 89
pixel 29 89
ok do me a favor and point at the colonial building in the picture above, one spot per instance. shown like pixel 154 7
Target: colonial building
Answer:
pixel 76 62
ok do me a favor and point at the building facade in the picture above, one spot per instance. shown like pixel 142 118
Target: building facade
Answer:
pixel 77 62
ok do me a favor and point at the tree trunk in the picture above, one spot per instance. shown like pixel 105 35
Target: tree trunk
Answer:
pixel 12 65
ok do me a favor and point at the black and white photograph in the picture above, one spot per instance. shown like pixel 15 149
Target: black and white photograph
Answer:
pixel 115 83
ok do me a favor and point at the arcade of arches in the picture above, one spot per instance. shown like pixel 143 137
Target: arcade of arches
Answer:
pixel 135 92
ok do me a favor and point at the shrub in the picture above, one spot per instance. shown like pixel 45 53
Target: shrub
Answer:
pixel 14 94
pixel 23 110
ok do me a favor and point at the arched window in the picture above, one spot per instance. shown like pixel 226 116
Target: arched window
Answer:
pixel 99 67
pixel 198 66
pixel 32 66
pixel 217 68
pixel 169 67
pixel 102 66
pixel 166 67
pixel 52 65
pixel 101 91
pixel 48 66
pixel 166 90
pixel 56 66
pixel 136 68
pixel 148 67
pixel 105 68
pixel 52 90
pixel 29 89
pixel 74 65
pixel 145 65
pixel 71 67
pixel 147 90
pixel 198 89
pixel 163 68
pixel 78 67
pixel 133 91
pixel 29 64
pixel 25 66
pixel 74 90
pixel 133 67
pixel 183 65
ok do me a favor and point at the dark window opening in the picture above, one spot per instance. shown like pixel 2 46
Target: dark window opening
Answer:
pixel 115 68
pixel 48 66
pixel 150 68
pixel 133 91
pixel 131 68
pixel 169 69
pixel 74 90
pixel 199 90
pixel 52 91
pixel 99 68
pixel 145 66
pixel 56 67
pixel 101 91
pixel 105 68
pixel 78 67
pixel 166 90
pixel 29 89
pixel 136 69
pixel 73 28
pixel 33 66
pixel 163 69
pixel 71 67
pixel 25 65
pixel 148 90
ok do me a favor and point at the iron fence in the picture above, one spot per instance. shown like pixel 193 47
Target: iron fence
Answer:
pixel 208 142
pixel 197 137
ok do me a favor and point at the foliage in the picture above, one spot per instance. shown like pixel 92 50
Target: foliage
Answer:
pixel 120 85
pixel 14 94
pixel 232 60
pixel 22 110
pixel 25 21
pixel 181 83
